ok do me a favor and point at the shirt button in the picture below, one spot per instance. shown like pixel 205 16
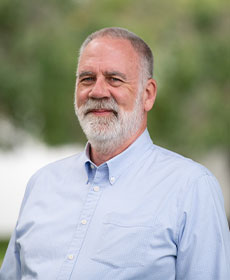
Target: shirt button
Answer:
pixel 112 179
pixel 92 166
pixel 83 222
pixel 96 189
pixel 70 257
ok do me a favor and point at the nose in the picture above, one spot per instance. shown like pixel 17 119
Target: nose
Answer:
pixel 100 89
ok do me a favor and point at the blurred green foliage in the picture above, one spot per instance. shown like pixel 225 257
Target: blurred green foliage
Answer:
pixel 3 247
pixel 38 52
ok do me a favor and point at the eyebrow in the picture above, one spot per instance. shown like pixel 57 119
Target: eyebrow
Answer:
pixel 85 73
pixel 115 73
pixel 106 73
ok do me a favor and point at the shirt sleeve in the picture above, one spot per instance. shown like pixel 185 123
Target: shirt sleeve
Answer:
pixel 203 233
pixel 11 269
pixel 11 266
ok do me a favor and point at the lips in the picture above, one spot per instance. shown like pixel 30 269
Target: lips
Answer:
pixel 101 111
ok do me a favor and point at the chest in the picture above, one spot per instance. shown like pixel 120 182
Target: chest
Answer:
pixel 125 229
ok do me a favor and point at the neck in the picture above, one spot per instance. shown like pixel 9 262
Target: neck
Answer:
pixel 98 157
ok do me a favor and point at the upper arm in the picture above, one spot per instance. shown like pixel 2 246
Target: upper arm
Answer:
pixel 203 234
pixel 11 268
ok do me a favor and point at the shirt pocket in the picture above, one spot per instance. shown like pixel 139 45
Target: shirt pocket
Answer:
pixel 123 243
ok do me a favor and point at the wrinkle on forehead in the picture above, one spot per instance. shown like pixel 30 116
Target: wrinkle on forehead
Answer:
pixel 110 55
pixel 101 47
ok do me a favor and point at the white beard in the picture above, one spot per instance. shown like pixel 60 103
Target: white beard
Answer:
pixel 108 133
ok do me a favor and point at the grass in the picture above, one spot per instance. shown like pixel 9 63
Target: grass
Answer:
pixel 3 247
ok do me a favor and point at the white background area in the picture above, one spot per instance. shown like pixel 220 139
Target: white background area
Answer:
pixel 17 166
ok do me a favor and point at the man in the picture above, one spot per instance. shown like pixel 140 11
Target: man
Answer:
pixel 124 208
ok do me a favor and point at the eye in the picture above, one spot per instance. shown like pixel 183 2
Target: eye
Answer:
pixel 87 80
pixel 115 81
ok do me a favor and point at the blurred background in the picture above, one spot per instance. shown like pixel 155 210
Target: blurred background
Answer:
pixel 39 42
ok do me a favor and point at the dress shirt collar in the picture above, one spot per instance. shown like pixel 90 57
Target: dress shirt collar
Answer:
pixel 122 161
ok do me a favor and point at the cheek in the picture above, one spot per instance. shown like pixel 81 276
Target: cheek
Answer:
pixel 80 97
pixel 126 96
pixel 121 96
pixel 127 102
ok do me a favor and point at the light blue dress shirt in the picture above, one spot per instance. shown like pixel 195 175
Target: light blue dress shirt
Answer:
pixel 146 214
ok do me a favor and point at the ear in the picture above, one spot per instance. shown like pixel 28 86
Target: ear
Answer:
pixel 150 94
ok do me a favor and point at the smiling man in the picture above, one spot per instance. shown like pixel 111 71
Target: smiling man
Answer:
pixel 124 208
pixel 113 96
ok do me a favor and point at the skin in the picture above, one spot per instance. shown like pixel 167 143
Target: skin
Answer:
pixel 110 67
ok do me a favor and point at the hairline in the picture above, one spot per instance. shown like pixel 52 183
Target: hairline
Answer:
pixel 141 48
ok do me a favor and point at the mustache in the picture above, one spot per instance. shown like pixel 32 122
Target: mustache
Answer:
pixel 103 103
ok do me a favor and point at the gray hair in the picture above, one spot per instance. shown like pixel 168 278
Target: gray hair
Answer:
pixel 142 49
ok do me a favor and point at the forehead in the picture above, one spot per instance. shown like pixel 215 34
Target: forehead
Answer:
pixel 109 54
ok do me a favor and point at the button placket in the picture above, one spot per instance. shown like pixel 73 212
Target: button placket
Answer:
pixel 80 234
